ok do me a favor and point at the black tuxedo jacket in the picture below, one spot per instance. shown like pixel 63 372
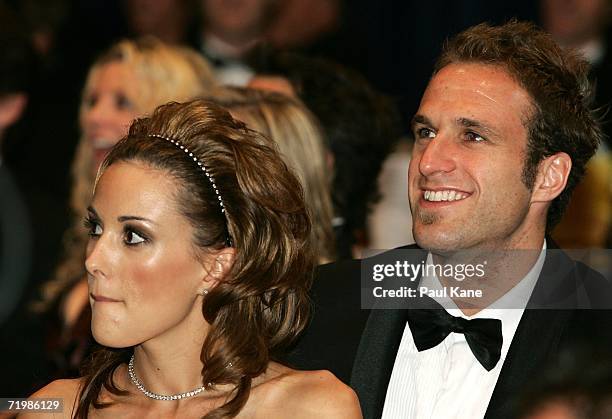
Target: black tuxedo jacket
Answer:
pixel 360 346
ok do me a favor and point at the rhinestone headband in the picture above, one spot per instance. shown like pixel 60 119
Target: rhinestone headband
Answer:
pixel 202 166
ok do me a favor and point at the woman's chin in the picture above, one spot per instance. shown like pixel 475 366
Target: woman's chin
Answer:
pixel 115 338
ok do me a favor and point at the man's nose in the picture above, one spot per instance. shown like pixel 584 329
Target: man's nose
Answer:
pixel 436 156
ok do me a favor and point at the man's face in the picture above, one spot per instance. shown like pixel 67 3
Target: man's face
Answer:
pixel 465 186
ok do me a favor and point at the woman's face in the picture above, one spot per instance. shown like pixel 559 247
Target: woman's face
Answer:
pixel 143 274
pixel 108 108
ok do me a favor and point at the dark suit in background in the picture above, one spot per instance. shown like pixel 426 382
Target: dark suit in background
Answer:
pixel 15 244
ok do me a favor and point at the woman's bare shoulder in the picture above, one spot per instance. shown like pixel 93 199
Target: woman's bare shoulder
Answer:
pixel 318 394
pixel 65 390
pixel 60 388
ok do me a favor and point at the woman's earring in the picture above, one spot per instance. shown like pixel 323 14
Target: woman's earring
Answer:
pixel 204 292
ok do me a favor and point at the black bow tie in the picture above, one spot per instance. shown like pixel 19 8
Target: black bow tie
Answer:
pixel 429 327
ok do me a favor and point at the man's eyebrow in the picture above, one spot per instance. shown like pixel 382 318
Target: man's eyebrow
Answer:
pixel 471 123
pixel 420 119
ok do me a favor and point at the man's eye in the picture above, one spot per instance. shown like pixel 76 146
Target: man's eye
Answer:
pixel 133 238
pixel 472 136
pixel 425 133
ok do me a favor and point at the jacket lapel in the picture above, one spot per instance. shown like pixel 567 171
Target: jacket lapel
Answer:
pixel 378 349
pixel 538 336
pixel 375 359
pixel 536 340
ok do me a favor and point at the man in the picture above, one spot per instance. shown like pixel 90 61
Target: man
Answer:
pixel 502 135
pixel 231 36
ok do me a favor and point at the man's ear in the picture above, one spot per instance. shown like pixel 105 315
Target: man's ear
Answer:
pixel 11 108
pixel 553 173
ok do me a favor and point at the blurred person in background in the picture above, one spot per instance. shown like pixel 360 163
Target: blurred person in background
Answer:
pixel 300 140
pixel 227 32
pixel 43 18
pixel 360 125
pixel 302 23
pixel 126 82
pixel 584 25
pixel 34 140
pixel 231 33
pixel 16 60
pixel 171 21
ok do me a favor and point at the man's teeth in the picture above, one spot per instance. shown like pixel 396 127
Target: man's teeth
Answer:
pixel 444 196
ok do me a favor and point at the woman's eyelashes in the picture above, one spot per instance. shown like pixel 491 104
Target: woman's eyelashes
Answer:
pixel 93 226
pixel 131 235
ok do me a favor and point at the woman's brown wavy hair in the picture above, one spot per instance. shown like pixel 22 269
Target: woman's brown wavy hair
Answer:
pixel 262 304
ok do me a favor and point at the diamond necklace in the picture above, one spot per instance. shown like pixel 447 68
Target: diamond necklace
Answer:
pixel 155 396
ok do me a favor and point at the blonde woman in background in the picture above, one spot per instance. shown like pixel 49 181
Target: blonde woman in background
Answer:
pixel 130 80
pixel 295 129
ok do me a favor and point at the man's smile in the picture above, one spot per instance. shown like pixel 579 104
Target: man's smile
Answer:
pixel 444 195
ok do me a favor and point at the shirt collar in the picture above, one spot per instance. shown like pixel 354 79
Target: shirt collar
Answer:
pixel 516 298
pixel 509 308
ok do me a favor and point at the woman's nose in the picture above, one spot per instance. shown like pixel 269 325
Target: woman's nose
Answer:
pixel 96 262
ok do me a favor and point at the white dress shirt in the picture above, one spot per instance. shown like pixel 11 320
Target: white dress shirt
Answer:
pixel 447 381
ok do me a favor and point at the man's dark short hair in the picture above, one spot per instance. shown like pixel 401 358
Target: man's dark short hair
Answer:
pixel 557 81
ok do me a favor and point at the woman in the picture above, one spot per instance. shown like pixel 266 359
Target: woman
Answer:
pixel 130 80
pixel 300 140
pixel 199 263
